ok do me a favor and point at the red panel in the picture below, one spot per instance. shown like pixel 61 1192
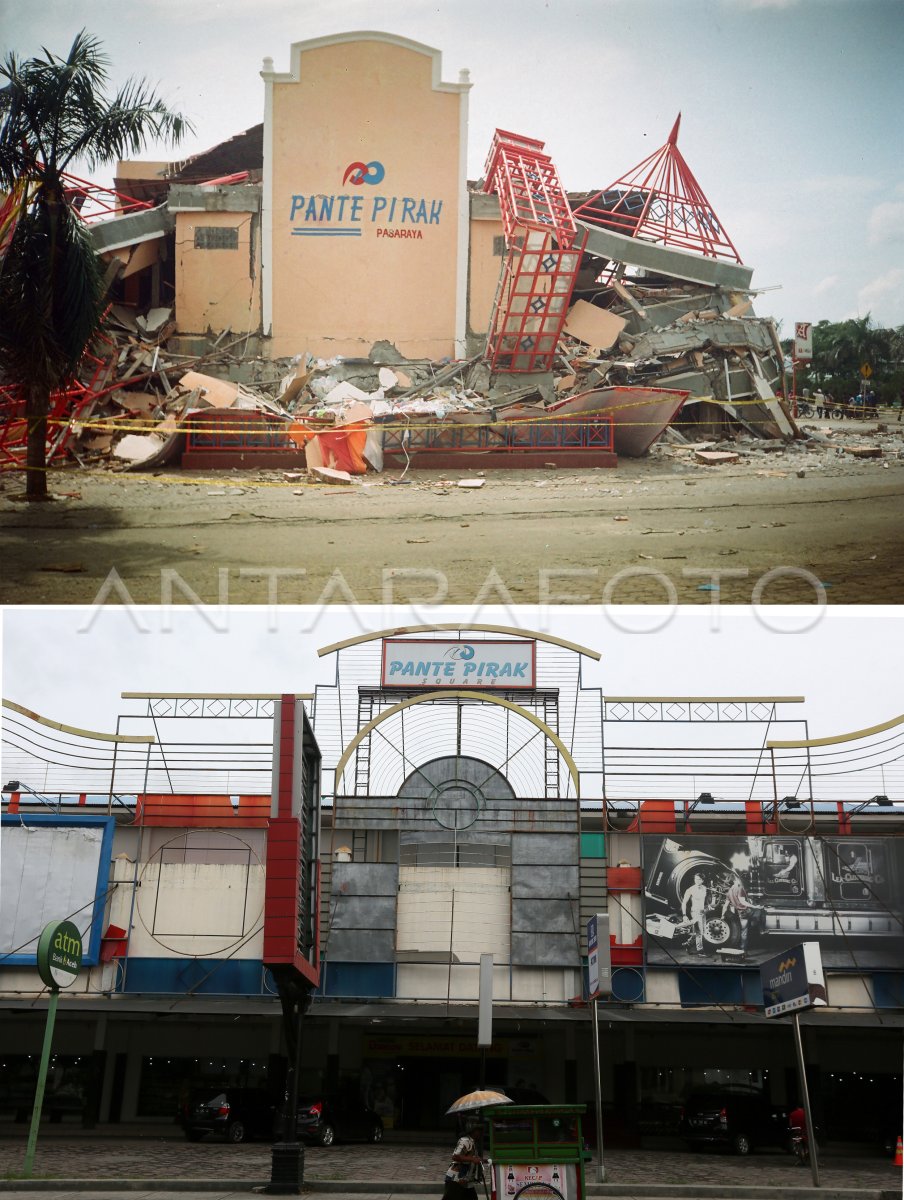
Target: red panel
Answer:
pixel 282 868
pixel 281 888
pixel 624 879
pixel 201 811
pixel 626 956
pixel 657 816
pixel 755 817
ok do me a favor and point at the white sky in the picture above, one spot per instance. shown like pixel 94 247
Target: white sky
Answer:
pixel 71 664
pixel 792 110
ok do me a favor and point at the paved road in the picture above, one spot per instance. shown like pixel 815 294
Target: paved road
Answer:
pixel 162 1157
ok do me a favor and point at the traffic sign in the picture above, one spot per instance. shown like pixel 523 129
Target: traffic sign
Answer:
pixel 866 370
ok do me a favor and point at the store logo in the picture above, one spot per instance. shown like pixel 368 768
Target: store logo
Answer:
pixel 357 173
pixel 460 652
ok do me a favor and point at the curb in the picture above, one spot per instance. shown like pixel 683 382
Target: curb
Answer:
pixel 649 1191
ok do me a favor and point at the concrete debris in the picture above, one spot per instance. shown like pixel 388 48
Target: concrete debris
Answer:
pixel 713 458
pixel 674 367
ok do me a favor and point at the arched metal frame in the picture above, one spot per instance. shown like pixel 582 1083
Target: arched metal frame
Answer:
pixel 480 697
pixel 453 627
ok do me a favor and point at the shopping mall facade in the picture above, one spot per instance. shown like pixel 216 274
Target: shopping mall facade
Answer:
pixel 453 792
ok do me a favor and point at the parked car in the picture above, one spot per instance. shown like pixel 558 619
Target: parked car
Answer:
pixel 739 1120
pixel 236 1114
pixel 328 1119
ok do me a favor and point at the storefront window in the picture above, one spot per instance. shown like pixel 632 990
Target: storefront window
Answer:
pixel 166 1083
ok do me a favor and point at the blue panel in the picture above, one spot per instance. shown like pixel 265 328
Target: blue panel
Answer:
pixel 888 989
pixel 201 976
pixel 356 979
pixel 91 945
pixel 716 985
pixel 628 985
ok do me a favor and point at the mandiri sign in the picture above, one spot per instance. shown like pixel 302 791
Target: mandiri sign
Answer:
pixel 793 980
pixel 599 957
pixel 454 664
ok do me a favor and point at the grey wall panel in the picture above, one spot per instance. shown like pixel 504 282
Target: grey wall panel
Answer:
pixel 363 912
pixel 540 849
pixel 543 950
pixel 544 916
pixel 545 881
pixel 410 837
pixel 361 945
pixel 365 879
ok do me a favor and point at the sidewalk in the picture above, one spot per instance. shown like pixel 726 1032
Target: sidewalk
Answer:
pixel 158 1163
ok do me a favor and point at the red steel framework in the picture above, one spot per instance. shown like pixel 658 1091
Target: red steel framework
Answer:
pixel 95 203
pixel 543 254
pixel 71 402
pixel 661 201
pixel 67 406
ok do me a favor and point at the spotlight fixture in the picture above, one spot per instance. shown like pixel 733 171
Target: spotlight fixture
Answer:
pixel 882 801
pixel 705 798
pixel 791 802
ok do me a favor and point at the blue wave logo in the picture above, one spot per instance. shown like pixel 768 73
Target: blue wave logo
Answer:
pixel 463 653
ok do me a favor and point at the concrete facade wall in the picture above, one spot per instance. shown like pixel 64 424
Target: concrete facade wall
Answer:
pixel 217 288
pixel 352 256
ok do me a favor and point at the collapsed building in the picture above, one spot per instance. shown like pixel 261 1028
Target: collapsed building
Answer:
pixel 368 310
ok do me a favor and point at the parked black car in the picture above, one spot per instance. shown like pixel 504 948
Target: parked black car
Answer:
pixel 737 1119
pixel 236 1114
pixel 328 1119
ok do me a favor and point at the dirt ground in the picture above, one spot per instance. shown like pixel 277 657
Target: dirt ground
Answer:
pixel 806 524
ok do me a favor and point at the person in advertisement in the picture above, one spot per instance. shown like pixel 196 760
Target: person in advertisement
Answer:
pixel 466 1167
pixel 747 914
pixel 694 908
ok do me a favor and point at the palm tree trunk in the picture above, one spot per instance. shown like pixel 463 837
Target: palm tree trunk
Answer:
pixel 36 407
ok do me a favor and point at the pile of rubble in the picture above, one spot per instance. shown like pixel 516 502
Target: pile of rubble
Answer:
pixel 342 417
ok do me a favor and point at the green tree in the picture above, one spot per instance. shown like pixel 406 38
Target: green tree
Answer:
pixel 54 112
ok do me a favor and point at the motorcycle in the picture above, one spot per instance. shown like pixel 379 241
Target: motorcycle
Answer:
pixel 800 1145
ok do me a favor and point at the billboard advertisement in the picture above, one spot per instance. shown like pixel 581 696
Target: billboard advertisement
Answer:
pixel 432 665
pixel 739 900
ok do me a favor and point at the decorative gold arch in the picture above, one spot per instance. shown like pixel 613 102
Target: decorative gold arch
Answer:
pixel 839 737
pixel 486 698
pixel 73 729
pixel 452 626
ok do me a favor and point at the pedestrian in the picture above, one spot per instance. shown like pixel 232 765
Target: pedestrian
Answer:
pixel 466 1168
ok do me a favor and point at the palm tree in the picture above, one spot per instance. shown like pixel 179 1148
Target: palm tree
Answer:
pixel 53 112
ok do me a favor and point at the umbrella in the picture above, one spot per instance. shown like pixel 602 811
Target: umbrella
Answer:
pixel 475 1100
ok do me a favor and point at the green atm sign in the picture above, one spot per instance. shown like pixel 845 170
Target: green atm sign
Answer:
pixel 59 954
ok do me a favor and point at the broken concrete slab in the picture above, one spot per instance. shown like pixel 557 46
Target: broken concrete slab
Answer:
pixel 664 260
pixel 331 475
pixel 593 326
pixel 716 458
pixel 218 393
